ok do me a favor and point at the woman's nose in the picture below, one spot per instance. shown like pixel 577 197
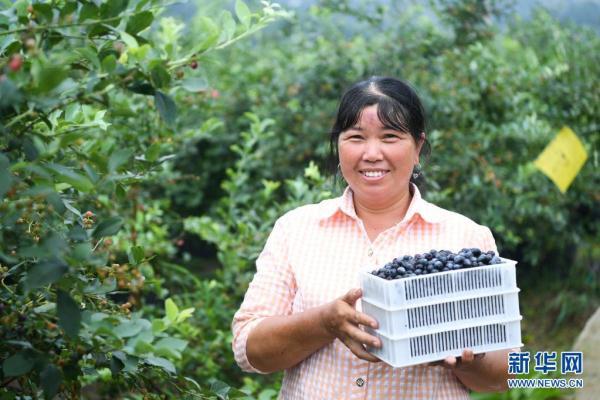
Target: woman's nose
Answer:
pixel 372 151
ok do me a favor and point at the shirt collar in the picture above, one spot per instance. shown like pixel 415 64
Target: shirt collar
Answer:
pixel 418 206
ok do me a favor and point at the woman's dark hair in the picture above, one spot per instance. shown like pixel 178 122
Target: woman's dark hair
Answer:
pixel 399 108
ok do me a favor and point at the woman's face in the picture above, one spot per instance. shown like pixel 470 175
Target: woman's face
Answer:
pixel 377 162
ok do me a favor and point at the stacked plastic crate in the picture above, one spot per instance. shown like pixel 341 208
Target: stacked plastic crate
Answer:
pixel 429 317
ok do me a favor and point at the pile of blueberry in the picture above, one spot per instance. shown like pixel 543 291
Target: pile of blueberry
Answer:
pixel 435 261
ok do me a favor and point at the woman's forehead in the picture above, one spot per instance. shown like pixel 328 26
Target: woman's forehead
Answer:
pixel 368 116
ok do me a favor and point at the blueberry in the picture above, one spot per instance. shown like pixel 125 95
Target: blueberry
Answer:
pixel 401 270
pixel 476 252
pixel 439 264
pixel 459 259
pixel 418 271
pixel 496 260
pixel 445 269
pixel 467 262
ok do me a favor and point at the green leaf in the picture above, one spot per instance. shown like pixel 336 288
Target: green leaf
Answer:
pixel 211 32
pixel 78 234
pixel 129 328
pixel 138 22
pixel 153 152
pixel 143 346
pixel 90 55
pixel 142 88
pixel 185 314
pixel 171 309
pixel 48 77
pixel 109 63
pixel 5 175
pixel 137 255
pixel 160 76
pixel 67 175
pixel 194 84
pixel 113 8
pixel 88 11
pixel 69 315
pixel 166 107
pixel 158 325
pixel 44 273
pixel 220 388
pixel 97 287
pixel 44 10
pixel 130 362
pixel 162 363
pixel 50 380
pixel 243 13
pixel 108 227
pixel 129 40
pixel 69 207
pixel 81 251
pixel 18 364
pixel 228 25
pixel 118 158
pixel 173 344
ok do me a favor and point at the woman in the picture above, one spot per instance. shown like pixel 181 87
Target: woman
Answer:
pixel 301 312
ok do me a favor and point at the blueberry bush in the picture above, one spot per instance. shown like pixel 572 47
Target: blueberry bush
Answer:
pixel 88 121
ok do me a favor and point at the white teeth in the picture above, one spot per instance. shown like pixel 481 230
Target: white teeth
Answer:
pixel 373 174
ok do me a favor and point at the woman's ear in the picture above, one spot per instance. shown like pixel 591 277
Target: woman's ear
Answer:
pixel 420 144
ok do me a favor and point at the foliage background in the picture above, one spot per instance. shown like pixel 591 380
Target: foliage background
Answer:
pixel 186 134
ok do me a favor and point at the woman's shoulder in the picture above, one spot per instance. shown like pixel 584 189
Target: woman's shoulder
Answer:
pixel 445 216
pixel 311 213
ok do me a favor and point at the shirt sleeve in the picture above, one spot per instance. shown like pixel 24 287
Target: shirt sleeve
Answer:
pixel 483 239
pixel 271 292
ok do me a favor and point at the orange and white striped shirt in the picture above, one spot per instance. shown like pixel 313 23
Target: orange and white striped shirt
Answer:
pixel 313 256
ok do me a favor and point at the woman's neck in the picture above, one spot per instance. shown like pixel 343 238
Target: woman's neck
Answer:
pixel 383 216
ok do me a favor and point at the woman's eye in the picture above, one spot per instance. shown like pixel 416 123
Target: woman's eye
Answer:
pixel 390 136
pixel 355 137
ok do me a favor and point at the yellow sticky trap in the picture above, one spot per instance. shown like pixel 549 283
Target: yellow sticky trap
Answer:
pixel 562 159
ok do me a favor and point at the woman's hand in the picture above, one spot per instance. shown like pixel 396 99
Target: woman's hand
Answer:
pixel 341 319
pixel 465 361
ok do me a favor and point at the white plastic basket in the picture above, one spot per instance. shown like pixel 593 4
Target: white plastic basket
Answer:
pixel 426 289
pixel 429 317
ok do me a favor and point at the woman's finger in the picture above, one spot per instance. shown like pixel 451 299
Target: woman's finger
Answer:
pixel 359 351
pixel 361 336
pixel 467 356
pixel 450 362
pixel 359 318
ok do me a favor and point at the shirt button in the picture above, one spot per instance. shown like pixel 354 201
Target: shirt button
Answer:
pixel 360 382
pixel 370 253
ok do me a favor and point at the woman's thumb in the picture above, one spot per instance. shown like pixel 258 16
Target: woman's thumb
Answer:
pixel 352 295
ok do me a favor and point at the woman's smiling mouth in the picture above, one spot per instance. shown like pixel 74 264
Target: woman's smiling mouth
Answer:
pixel 375 174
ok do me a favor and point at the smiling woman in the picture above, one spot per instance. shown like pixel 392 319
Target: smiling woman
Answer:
pixel 378 137
pixel 302 312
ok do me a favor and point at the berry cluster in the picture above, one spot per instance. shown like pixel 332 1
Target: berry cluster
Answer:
pixel 435 261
